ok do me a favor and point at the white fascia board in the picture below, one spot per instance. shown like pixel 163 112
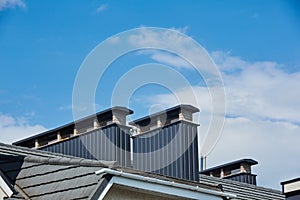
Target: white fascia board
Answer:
pixel 5 188
pixel 162 186
pixel 106 189
pixel 290 187
pixel 164 189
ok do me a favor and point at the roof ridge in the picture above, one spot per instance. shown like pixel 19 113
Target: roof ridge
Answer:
pixel 39 156
pixel 24 150
pixel 71 161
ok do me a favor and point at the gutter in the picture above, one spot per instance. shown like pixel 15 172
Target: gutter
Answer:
pixel 163 182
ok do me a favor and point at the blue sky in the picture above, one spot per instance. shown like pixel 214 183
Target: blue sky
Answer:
pixel 256 45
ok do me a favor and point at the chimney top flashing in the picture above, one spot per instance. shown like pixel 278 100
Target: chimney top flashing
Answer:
pixel 173 112
pixel 163 118
pixel 230 166
pixel 116 114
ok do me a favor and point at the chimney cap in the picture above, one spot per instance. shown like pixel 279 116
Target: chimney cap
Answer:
pixel 169 112
pixel 230 166
pixel 102 115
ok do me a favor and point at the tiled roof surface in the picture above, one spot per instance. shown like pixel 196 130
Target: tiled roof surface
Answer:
pixel 35 174
pixel 243 191
pixel 43 175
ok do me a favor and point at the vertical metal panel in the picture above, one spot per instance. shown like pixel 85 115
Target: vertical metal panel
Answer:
pixel 111 143
pixel 186 166
pixel 243 177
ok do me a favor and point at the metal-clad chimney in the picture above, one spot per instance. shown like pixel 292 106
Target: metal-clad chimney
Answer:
pixel 239 170
pixel 167 143
pixel 103 136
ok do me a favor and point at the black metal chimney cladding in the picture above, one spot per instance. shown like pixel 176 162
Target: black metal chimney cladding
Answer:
pixel 103 136
pixel 239 170
pixel 167 143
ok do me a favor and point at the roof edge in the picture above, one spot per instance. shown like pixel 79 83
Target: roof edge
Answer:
pixel 165 182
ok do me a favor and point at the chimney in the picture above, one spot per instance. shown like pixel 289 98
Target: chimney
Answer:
pixel 103 136
pixel 239 170
pixel 167 143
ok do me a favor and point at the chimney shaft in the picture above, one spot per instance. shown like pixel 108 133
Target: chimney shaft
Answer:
pixel 167 143
pixel 239 170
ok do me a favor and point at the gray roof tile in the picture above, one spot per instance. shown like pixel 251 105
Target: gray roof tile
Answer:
pixel 61 175
pixel 78 193
pixel 62 185
pixel 243 191
pixel 43 175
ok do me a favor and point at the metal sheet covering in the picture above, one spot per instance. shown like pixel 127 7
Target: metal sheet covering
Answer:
pixel 243 177
pixel 178 138
pixel 111 143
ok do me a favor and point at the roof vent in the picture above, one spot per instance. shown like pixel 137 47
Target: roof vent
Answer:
pixel 239 170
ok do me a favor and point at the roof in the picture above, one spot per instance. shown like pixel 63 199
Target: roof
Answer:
pixel 170 112
pixel 230 165
pixel 43 175
pixel 168 186
pixel 243 191
pixel 36 174
pixel 101 115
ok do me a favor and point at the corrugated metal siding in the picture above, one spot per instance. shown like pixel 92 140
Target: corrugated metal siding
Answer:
pixel 111 143
pixel 244 178
pixel 179 138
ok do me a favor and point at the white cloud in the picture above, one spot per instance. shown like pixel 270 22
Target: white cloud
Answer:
pixel 7 4
pixel 102 8
pixel 12 129
pixel 167 58
pixel 173 41
pixel 263 100
pixel 273 144
pixel 114 40
pixel 260 89
pixel 198 96
pixel 163 56
pixel 185 96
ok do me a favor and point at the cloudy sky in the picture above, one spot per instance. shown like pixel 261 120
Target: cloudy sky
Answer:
pixel 254 44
